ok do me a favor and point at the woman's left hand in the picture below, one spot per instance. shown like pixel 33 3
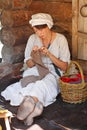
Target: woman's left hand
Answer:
pixel 44 51
pixel 59 63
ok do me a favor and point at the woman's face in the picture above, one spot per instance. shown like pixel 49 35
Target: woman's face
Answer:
pixel 42 33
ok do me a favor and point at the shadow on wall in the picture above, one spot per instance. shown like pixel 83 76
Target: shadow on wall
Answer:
pixel 1 45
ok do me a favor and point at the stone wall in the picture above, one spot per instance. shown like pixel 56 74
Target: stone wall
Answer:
pixel 16 29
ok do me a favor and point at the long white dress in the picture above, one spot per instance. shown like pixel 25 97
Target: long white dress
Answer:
pixel 46 89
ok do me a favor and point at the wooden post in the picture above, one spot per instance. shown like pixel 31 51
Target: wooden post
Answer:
pixel 75 4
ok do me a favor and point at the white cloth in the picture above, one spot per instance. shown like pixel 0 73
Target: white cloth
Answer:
pixel 46 89
pixel 35 127
pixel 40 19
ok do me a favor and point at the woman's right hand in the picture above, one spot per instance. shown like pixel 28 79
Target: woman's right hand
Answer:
pixel 30 63
pixel 35 48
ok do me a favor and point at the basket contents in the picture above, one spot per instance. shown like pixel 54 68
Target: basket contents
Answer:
pixel 73 86
pixel 73 79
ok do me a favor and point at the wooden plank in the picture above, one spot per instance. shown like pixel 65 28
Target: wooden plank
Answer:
pixel 68 1
pixel 65 26
pixel 82 46
pixel 21 4
pixel 75 4
pixel 82 21
pixel 83 64
pixel 15 18
pixel 52 8
pixel 15 4
pixel 82 35
pixel 5 4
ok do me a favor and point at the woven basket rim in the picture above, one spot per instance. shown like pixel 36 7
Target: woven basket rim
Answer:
pixel 75 86
pixel 79 67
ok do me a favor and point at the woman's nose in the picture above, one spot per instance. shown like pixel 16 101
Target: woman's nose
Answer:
pixel 39 32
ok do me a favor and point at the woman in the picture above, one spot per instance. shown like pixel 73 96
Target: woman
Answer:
pixel 55 56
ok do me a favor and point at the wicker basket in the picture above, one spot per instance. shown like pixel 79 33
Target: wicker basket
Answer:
pixel 74 93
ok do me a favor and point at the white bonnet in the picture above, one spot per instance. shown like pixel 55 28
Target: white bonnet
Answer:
pixel 40 19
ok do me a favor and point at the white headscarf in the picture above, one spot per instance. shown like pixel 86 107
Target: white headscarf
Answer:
pixel 40 19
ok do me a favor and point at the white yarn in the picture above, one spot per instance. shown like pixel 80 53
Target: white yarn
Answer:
pixel 40 19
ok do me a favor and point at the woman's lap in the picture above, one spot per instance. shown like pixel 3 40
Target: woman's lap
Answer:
pixel 45 90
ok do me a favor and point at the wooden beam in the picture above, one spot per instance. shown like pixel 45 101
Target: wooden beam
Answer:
pixel 75 7
pixel 82 35
pixel 15 18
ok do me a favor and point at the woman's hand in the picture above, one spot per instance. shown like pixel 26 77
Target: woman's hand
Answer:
pixel 35 48
pixel 59 63
pixel 44 51
pixel 30 63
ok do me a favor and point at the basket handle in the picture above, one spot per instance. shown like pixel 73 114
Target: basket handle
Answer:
pixel 80 69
